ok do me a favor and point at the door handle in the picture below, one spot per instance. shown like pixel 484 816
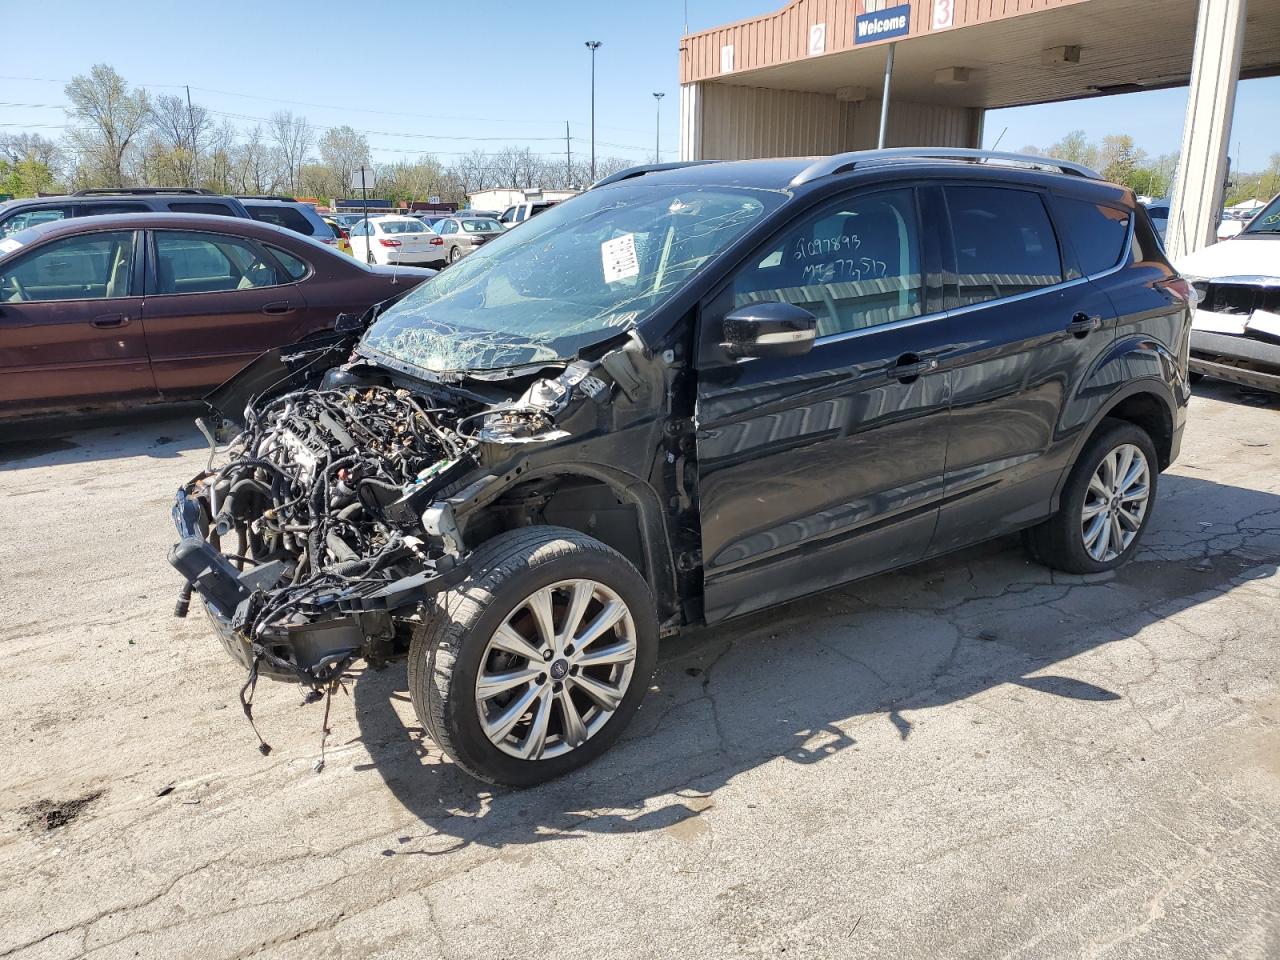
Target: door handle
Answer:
pixel 909 366
pixel 110 320
pixel 1082 324
pixel 278 308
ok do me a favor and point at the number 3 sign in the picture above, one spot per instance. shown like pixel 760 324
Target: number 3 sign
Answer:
pixel 944 14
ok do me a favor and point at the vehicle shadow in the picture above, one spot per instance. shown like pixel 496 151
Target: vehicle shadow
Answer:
pixel 159 432
pixel 804 681
pixel 1234 393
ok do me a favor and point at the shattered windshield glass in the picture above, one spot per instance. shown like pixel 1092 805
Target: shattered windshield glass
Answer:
pixel 569 277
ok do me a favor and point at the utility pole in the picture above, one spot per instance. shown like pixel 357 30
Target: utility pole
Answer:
pixel 884 99
pixel 568 159
pixel 191 125
pixel 657 133
pixel 593 46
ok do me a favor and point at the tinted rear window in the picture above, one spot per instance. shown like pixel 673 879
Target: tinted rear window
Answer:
pixel 1098 232
pixel 286 217
pixel 1005 244
pixel 480 226
pixel 216 209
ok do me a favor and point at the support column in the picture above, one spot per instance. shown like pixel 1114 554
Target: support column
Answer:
pixel 691 121
pixel 1206 132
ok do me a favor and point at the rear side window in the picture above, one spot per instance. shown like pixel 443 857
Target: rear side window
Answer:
pixel 102 209
pixel 295 268
pixel 1005 244
pixel 1097 231
pixel 286 217
pixel 216 209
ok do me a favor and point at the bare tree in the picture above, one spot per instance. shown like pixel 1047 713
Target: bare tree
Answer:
pixel 473 171
pixel 252 162
pixel 293 137
pixel 181 130
pixel 343 150
pixel 107 116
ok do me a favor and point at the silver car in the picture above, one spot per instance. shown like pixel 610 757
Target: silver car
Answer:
pixel 461 235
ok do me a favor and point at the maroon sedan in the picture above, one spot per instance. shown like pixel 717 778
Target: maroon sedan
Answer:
pixel 131 308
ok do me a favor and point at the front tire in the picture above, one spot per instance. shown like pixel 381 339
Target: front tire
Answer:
pixel 1105 505
pixel 534 665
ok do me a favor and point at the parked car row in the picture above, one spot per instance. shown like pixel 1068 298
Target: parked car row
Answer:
pixel 137 307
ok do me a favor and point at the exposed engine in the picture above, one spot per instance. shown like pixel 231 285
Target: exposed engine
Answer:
pixel 321 499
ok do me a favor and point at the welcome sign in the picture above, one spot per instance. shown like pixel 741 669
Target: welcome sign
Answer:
pixel 881 22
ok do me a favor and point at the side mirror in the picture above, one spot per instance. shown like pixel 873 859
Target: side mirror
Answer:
pixel 769 329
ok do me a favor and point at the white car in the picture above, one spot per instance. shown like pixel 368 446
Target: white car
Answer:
pixel 1235 334
pixel 396 240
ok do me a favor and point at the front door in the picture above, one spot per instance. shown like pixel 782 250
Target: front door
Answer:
pixel 71 324
pixel 819 469
pixel 214 302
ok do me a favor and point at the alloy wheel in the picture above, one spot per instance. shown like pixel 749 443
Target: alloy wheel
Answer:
pixel 1116 502
pixel 556 670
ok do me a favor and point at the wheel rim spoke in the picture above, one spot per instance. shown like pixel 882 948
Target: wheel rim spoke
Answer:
pixel 1091 510
pixel 583 591
pixel 507 640
pixel 1118 542
pixel 1091 534
pixel 1124 459
pixel 491 685
pixel 498 728
pixel 613 611
pixel 540 606
pixel 575 731
pixel 1137 493
pixel 536 738
pixel 606 696
pixel 623 652
pixel 1104 540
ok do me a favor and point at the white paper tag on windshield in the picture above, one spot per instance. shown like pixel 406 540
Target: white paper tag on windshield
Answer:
pixel 619 258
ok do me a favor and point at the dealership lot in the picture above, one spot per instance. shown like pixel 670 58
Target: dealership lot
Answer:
pixel 976 757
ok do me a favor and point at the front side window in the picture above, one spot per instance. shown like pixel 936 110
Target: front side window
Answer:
pixel 1098 232
pixel 854 264
pixel 189 262
pixel 31 218
pixel 1005 244
pixel 95 266
pixel 583 272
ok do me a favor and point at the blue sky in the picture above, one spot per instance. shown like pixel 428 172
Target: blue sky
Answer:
pixel 517 71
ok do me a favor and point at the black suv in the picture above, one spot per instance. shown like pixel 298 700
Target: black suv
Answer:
pixel 694 391
pixel 17 215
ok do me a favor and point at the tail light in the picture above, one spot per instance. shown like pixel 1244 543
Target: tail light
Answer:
pixel 388 243
pixel 1181 289
pixel 329 240
pixel 436 241
pixel 344 234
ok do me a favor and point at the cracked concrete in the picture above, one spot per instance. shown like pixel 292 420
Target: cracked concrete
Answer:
pixel 977 757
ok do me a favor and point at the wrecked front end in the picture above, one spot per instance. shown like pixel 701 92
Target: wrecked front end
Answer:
pixel 320 531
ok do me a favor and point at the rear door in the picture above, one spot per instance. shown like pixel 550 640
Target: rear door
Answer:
pixel 818 469
pixel 1028 329
pixel 71 328
pixel 213 303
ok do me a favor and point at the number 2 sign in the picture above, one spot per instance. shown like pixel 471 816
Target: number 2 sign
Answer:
pixel 944 14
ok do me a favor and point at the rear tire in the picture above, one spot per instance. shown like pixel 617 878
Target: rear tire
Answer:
pixel 548 722
pixel 1105 506
pixel 454 255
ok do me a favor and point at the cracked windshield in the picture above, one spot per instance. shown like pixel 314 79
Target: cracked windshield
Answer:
pixel 573 276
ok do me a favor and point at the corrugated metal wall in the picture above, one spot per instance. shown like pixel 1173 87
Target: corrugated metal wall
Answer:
pixel 723 122
pixel 783 36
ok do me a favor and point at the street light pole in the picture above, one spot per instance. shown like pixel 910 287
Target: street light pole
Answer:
pixel 657 133
pixel 593 46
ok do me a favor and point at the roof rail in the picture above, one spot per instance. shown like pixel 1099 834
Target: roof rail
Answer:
pixel 265 196
pixel 844 162
pixel 642 169
pixel 139 191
